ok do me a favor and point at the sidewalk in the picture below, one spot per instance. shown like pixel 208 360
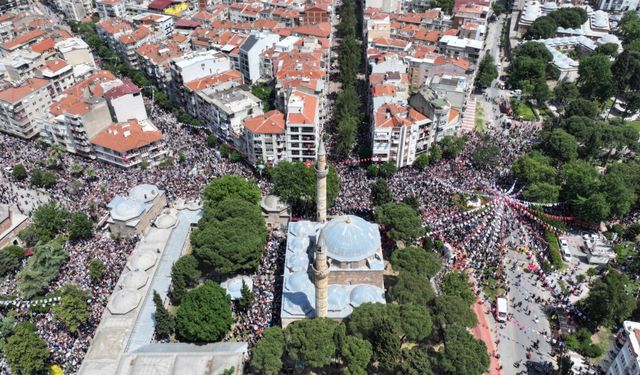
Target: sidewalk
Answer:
pixel 481 332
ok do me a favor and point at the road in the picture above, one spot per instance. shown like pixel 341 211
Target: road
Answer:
pixel 528 323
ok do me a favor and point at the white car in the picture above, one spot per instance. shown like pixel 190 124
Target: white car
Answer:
pixel 564 249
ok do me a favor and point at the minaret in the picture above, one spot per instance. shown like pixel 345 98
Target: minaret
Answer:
pixel 321 267
pixel 321 184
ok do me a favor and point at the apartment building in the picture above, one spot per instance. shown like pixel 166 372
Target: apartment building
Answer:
pixel 627 360
pixel 111 8
pixel 264 138
pixel 444 118
pixel 154 59
pixel 193 66
pixel 21 65
pixel 129 144
pixel 78 55
pixel 161 24
pixel 23 103
pixel 217 82
pixel 250 52
pixel 127 44
pixel 455 46
pixel 303 128
pixel 126 103
pixel 396 131
pixel 224 112
pixel 59 73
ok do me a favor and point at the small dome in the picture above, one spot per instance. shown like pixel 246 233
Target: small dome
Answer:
pixel 166 220
pixel 124 301
pixel 144 192
pixel 338 298
pixel 271 203
pixel 299 282
pixel 550 5
pixel 134 279
pixel 299 303
pixel 298 262
pixel 234 285
pixel 609 38
pixel 366 293
pixel 142 260
pixel 127 209
pixel 299 244
pixel 303 228
pixel 349 238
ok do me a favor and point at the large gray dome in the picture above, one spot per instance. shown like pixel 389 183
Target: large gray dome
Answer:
pixel 127 209
pixel 349 238
pixel 144 192
pixel 366 293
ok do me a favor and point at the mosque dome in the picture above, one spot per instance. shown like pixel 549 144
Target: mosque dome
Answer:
pixel 299 244
pixel 299 303
pixel 233 286
pixel 166 220
pixel 338 298
pixel 124 301
pixel 134 279
pixel 609 38
pixel 298 262
pixel 349 238
pixel 144 192
pixel 127 209
pixel 366 293
pixel 299 282
pixel 142 260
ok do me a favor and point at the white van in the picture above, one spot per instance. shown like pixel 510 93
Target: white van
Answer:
pixel 501 309
pixel 564 249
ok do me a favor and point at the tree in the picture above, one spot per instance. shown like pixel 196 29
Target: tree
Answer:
pixel 415 361
pixel 184 273
pixel 25 351
pixel 445 5
pixel 49 219
pixel 542 28
pixel 380 192
pixel 562 145
pixel 542 192
pixel 565 92
pixel 456 284
pixel 569 18
pixel 487 71
pixel 246 299
pixel 296 184
pixel 231 186
pixel 96 270
pixel 608 302
pixel 619 196
pixel 534 167
pixel 498 9
pixel 533 50
pixel 581 107
pixel 268 351
pixel 416 260
pixel 411 288
pixel 80 227
pixel 165 322
pixel 463 354
pixel 451 309
pixel 19 172
pixel 363 319
pixel 204 315
pixel 401 221
pixel 435 154
pixel 607 49
pixel 73 309
pixel 485 155
pixel 10 259
pixel 265 94
pixel 41 269
pixel 386 344
pixel 415 322
pixel 630 27
pixel 452 145
pixel 356 353
pixel 595 79
pixel 310 341
pixel 422 161
pixel 593 208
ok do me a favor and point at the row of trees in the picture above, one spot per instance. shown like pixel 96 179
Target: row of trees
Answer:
pixel 348 114
pixel 545 27
pixel 50 220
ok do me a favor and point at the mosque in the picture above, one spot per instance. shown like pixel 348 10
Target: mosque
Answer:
pixel 331 266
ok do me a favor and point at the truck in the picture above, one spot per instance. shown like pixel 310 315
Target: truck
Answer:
pixel 501 309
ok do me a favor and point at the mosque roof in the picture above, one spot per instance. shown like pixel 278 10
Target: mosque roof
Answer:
pixel 144 192
pixel 124 301
pixel 134 279
pixel 142 260
pixel 233 286
pixel 125 209
pixel 349 238
pixel 366 293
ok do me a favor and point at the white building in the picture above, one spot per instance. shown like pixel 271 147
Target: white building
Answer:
pixel 21 105
pixel 130 143
pixel 250 52
pixel 197 65
pixel 21 64
pixel 303 128
pixel 388 6
pixel 111 8
pixel 396 131
pixel 78 55
pixel 126 102
pixel 455 46
pixel 76 10
pixel 59 73
pixel 618 5
pixel 265 138
pixel 627 361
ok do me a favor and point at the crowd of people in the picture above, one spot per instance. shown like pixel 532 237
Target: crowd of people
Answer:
pixel 265 309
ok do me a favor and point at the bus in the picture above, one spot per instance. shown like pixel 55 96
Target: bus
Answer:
pixel 501 309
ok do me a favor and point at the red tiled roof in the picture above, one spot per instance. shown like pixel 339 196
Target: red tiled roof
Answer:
pixel 126 88
pixel 15 94
pixel 23 39
pixel 159 4
pixel 187 23
pixel 271 122
pixel 43 45
pixel 126 136
pixel 322 30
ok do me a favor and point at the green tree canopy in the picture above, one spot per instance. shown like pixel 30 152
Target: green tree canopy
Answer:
pixel 204 314
pixel 73 309
pixel 400 220
pixel 581 107
pixel 96 270
pixel 231 186
pixel 457 284
pixel 310 341
pixel 463 354
pixel 356 352
pixel 415 361
pixel 165 321
pixel 362 320
pixel 41 269
pixel 534 167
pixel 296 184
pixel 565 92
pixel 542 192
pixel 415 322
pixel 184 274
pixel 569 18
pixel 416 260
pixel 380 192
pixel 49 219
pixel 19 172
pixel 542 28
pixel 630 27
pixel 80 227
pixel 25 351
pixel 386 344
pixel 607 49
pixel 534 50
pixel 10 259
pixel 608 302
pixel 595 79
pixel 268 351
pixel 452 309
pixel 580 179
pixel 485 155
pixel 411 288
pixel 487 71
pixel 562 145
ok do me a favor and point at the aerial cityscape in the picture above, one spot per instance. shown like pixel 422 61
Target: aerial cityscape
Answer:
pixel 319 187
